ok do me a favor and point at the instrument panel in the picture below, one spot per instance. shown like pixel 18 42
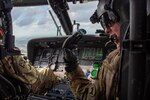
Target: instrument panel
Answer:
pixel 85 55
pixel 47 51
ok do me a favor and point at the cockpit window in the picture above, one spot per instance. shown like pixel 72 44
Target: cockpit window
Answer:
pixel 81 13
pixel 36 22
pixel 32 22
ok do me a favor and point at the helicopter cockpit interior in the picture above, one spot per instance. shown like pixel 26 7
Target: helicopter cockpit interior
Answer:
pixel 48 52
pixel 89 49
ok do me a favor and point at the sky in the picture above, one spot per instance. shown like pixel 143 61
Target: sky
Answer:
pixel 35 21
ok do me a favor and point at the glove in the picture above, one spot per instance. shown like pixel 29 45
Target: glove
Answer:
pixel 70 60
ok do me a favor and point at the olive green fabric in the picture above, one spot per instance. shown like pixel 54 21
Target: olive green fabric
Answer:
pixel 40 79
pixel 104 87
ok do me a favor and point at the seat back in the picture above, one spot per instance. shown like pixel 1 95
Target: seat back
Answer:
pixel 7 89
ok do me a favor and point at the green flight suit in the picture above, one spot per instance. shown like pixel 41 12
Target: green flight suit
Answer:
pixel 17 67
pixel 104 88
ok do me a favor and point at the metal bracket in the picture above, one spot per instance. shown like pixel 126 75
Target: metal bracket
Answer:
pixel 136 45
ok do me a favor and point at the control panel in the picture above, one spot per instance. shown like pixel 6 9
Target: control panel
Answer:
pixel 47 51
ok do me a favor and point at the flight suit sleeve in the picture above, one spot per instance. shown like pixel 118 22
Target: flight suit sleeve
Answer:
pixel 40 79
pixel 82 88
pixel 104 86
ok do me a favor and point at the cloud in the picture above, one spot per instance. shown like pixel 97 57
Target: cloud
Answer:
pixel 82 12
pixel 35 30
pixel 33 21
pixel 23 16
pixel 36 21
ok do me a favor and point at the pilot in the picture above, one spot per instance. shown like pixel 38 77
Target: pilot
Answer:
pixel 39 79
pixel 111 14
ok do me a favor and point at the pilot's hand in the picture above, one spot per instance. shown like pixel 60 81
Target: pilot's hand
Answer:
pixel 70 60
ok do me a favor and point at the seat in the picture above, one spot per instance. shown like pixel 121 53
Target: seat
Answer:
pixel 7 89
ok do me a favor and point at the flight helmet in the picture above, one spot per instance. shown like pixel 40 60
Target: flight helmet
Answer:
pixel 109 11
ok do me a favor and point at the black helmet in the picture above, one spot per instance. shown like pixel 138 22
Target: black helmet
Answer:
pixel 112 10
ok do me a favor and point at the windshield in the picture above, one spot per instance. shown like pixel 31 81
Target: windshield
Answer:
pixel 32 22
pixel 36 22
pixel 82 13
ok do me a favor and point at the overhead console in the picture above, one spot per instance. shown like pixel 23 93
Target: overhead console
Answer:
pixel 45 51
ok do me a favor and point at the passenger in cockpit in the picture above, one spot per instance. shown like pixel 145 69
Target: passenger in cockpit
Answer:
pixel 16 67
pixel 111 15
pixel 40 79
